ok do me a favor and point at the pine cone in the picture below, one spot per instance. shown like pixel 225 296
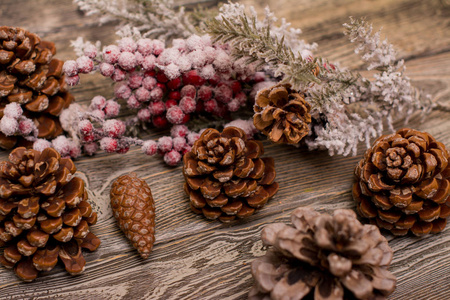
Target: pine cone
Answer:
pixel 282 114
pixel 30 76
pixel 225 178
pixel 402 183
pixel 44 213
pixel 134 209
pixel 323 257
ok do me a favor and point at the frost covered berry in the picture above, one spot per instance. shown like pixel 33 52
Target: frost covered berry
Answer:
pixel 127 60
pixel 99 114
pixel 192 137
pixel 85 127
pixel 149 62
pixel 175 115
pixel 179 131
pixel 88 138
pixel 233 105
pixel 144 115
pixel 224 93
pixel 114 128
pixel 135 80
pixel 122 91
pixel 188 91
pixel 127 44
pixel 172 158
pixel 111 54
pixel 90 148
pixel 26 126
pixel 72 80
pixel 98 102
pixel 132 102
pixel 108 144
pixel 156 94
pixel 149 83
pixel 158 47
pixel 145 46
pixel 142 94
pixel 165 144
pixel 41 144
pixel 111 108
pixel 157 108
pixel 204 93
pixel 70 68
pixel 90 51
pixel 178 143
pixel 13 110
pixel 85 64
pixel 211 106
pixel 188 105
pixel 118 75
pixel 9 126
pixel 106 69
pixel 149 147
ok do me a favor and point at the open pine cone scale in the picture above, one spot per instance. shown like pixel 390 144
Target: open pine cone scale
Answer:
pixel 225 176
pixel 44 213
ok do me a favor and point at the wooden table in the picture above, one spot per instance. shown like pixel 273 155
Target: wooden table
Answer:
pixel 198 259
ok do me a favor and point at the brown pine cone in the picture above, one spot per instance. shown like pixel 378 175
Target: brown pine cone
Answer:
pixel 402 183
pixel 323 257
pixel 282 114
pixel 44 213
pixel 225 176
pixel 30 76
pixel 134 209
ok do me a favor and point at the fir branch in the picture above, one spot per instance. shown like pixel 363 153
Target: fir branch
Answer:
pixel 143 18
pixel 256 43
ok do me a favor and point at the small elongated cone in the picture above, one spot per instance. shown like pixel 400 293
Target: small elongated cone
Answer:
pixel 43 209
pixel 33 78
pixel 282 114
pixel 134 209
pixel 403 183
pixel 226 178
pixel 323 257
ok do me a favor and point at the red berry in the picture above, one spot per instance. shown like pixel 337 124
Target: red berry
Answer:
pixel 236 86
pixel 188 91
pixel 170 103
pixel 211 105
pixel 162 86
pixel 85 127
pixel 175 115
pixel 174 83
pixel 186 118
pixel 150 73
pixel 88 138
pixel 161 77
pixel 224 93
pixel 108 144
pixel 204 93
pixel 85 64
pixel 123 150
pixel 172 158
pixel 215 80
pixel 200 106
pixel 192 77
pixel 188 105
pixel 175 95
pixel 160 121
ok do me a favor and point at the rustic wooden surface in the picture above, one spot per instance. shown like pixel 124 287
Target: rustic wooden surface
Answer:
pixel 198 259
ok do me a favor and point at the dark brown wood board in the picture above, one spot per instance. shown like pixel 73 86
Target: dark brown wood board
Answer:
pixel 198 259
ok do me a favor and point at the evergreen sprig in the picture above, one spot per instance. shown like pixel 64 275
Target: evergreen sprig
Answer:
pixel 258 45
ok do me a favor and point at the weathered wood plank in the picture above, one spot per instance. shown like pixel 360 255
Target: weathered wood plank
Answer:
pixel 198 259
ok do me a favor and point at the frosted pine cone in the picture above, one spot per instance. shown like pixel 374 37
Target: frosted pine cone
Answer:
pixel 31 77
pixel 323 257
pixel 44 213
pixel 225 176
pixel 402 183
pixel 134 209
pixel 282 114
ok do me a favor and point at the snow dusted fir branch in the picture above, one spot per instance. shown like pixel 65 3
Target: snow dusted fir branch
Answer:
pixel 151 18
pixel 346 107
pixel 276 48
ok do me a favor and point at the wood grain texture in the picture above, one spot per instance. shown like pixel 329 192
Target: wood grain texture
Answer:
pixel 198 259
